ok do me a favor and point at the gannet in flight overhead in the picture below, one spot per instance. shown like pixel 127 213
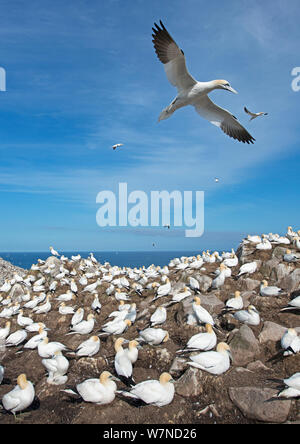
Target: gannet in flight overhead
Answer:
pixel 117 145
pixel 192 92
pixel 254 115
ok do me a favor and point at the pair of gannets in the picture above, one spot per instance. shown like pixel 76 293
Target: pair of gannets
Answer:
pixel 214 362
pixel 83 327
pixel 152 392
pixel 122 363
pixel 115 327
pixel 57 367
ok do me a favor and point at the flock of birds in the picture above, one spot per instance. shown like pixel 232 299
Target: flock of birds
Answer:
pixel 48 288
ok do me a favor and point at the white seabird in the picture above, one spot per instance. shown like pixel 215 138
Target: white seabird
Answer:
pixel 153 336
pixel 201 341
pixel 249 316
pixel 117 145
pixel 20 397
pixel 214 362
pixel 192 92
pixel 265 290
pixel 98 391
pixel 158 393
pixel 254 115
pixel 89 347
pixel 122 363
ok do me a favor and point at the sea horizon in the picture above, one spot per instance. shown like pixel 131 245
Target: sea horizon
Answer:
pixel 120 258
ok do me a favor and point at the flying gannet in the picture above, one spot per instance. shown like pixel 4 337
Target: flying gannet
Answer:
pixel 117 145
pixel 192 92
pixel 254 115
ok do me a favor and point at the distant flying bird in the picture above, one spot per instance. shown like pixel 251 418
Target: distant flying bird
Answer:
pixel 217 180
pixel 117 145
pixel 254 115
pixel 192 92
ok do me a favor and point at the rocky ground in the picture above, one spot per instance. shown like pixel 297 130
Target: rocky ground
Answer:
pixel 241 395
pixel 7 270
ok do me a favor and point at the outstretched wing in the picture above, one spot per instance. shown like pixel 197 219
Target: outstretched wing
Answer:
pixel 172 57
pixel 223 119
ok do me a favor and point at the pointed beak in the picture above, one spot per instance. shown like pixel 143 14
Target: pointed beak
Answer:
pixel 229 88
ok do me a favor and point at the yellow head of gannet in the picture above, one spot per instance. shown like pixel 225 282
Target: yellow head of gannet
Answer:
pixel 197 300
pixel 237 294
pixel 128 322
pixel 223 347
pixel 208 328
pixel 265 283
pixel 95 338
pixel 222 266
pixel 105 376
pixel 166 338
pixel 223 84
pixel 22 381
pixel 90 316
pixel 165 378
pixel 132 344
pixel 288 251
pixel 118 344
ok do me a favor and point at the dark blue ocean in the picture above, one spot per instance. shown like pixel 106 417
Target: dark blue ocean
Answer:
pixel 121 259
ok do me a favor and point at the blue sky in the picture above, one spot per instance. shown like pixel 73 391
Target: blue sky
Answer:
pixel 82 76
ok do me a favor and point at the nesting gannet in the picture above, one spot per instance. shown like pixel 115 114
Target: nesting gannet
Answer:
pixel 192 92
pixel 47 349
pixel 163 290
pixel 201 314
pixel 89 347
pixel 179 296
pixel 249 316
pixel 194 285
pixel 290 257
pixel 83 327
pixel 65 310
pixel 214 362
pixel 248 268
pixel 115 328
pixel 4 332
pixel 117 145
pixel 158 393
pixel 235 303
pixel 6 287
pixel 45 308
pixel 201 341
pixel 16 338
pixel 153 336
pixel 77 316
pixel 36 339
pixel 122 363
pixel 36 326
pixel 254 115
pixel 23 321
pixel 99 391
pixel 220 279
pixel 96 304
pixel 20 397
pixel 159 316
pixel 290 342
pixel 265 290
pixel 294 304
pixel 289 387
